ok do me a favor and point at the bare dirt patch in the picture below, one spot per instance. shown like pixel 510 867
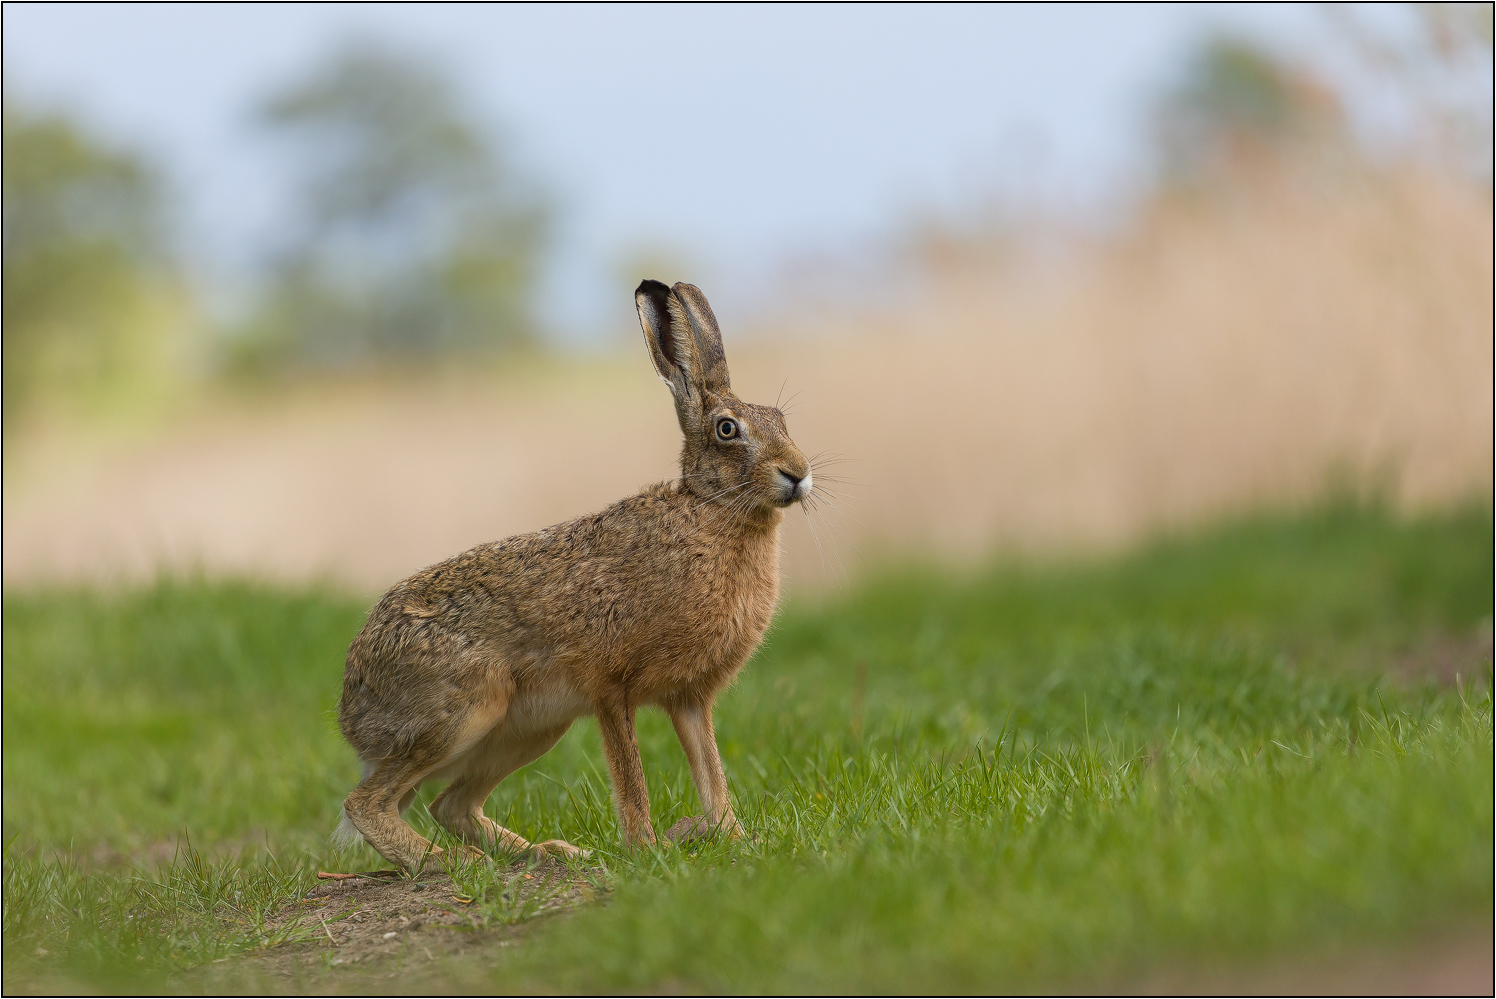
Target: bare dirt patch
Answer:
pixel 1450 659
pixel 1460 964
pixel 381 924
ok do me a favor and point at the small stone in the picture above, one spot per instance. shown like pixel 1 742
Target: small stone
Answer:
pixel 391 933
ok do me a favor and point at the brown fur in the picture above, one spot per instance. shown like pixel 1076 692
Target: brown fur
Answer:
pixel 476 666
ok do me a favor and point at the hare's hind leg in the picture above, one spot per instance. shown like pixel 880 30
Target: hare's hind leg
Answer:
pixel 375 806
pixel 460 807
pixel 374 809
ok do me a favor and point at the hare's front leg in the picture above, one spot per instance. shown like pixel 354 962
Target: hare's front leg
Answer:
pixel 615 720
pixel 460 807
pixel 693 726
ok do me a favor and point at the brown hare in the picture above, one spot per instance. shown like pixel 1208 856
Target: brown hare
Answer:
pixel 477 665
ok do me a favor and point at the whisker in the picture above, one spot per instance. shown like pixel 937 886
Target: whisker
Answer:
pixel 818 513
pixel 844 577
pixel 724 515
pixel 837 529
pixel 817 539
pixel 836 502
pixel 739 505
pixel 723 492
pixel 835 507
pixel 823 505
pixel 835 486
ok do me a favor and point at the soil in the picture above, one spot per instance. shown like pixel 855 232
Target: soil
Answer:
pixel 359 930
pixel 1461 660
pixel 1458 964
pixel 381 923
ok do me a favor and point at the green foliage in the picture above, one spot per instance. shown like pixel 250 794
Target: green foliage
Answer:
pixel 998 873
pixel 131 693
pixel 1036 776
pixel 83 259
pixel 1238 106
pixel 188 911
pixel 413 236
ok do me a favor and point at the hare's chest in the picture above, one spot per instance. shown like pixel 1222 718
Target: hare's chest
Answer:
pixel 709 612
pixel 741 606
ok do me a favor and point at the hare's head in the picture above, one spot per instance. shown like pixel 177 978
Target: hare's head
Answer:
pixel 734 453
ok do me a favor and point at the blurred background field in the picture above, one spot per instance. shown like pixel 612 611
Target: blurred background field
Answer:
pixel 1274 274
pixel 1149 350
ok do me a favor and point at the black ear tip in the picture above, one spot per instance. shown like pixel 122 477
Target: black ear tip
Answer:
pixel 652 288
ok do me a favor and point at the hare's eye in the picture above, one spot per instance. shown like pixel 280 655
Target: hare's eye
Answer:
pixel 727 429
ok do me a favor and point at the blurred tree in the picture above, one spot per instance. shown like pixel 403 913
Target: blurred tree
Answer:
pixel 1440 68
pixel 1238 108
pixel 83 254
pixel 414 238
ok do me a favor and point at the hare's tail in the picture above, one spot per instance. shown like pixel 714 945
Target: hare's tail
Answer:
pixel 347 834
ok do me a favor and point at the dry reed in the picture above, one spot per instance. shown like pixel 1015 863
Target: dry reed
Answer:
pixel 1218 356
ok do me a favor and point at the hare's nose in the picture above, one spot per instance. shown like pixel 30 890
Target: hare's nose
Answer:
pixel 799 484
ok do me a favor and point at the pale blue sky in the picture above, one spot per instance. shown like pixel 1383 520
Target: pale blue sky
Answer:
pixel 732 136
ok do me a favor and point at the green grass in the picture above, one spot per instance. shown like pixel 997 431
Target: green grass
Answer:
pixel 1204 751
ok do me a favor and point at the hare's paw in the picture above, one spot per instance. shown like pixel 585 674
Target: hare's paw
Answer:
pixel 560 848
pixel 689 828
pixel 694 827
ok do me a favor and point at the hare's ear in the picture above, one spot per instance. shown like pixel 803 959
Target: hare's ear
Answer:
pixel 671 346
pixel 711 361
